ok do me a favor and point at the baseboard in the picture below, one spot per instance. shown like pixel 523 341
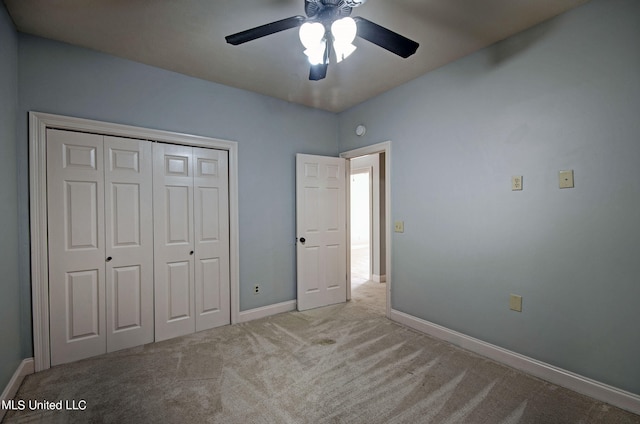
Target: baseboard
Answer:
pixel 25 368
pixel 378 278
pixel 266 311
pixel 586 386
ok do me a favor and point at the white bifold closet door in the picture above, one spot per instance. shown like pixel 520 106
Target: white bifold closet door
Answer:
pixel 99 194
pixel 191 220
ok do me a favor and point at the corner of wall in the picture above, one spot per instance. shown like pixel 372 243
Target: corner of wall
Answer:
pixel 10 349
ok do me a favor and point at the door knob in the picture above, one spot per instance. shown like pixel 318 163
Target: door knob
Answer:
pixel 302 240
pixel 191 253
pixel 109 259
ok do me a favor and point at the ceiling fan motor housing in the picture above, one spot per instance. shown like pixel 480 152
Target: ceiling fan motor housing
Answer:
pixel 326 11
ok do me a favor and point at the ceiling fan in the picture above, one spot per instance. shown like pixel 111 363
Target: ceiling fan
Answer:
pixel 329 31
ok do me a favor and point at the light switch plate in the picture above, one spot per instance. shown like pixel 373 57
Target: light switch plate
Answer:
pixel 399 227
pixel 566 179
pixel 516 183
pixel 515 303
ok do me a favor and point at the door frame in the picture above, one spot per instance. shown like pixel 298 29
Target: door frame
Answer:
pixel 384 147
pixel 38 124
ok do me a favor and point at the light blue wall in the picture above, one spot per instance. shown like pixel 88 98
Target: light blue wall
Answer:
pixel 66 80
pixel 563 95
pixel 10 349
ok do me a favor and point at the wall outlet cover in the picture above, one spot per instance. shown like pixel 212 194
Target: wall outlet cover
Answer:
pixel 399 227
pixel 566 179
pixel 516 183
pixel 515 303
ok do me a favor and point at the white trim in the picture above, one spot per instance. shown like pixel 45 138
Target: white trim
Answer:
pixel 378 278
pixel 266 311
pixel 39 240
pixel 347 176
pixel 38 124
pixel 586 386
pixel 25 368
pixel 384 147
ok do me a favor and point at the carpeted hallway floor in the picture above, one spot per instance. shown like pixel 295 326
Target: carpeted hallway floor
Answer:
pixel 340 364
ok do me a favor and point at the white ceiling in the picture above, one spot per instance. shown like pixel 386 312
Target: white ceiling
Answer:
pixel 187 36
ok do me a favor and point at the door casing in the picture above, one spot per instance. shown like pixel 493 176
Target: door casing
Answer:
pixel 38 124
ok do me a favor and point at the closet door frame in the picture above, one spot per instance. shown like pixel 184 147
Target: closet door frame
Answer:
pixel 38 124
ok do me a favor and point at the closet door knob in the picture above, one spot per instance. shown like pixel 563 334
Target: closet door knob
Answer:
pixel 109 259
pixel 302 240
pixel 191 253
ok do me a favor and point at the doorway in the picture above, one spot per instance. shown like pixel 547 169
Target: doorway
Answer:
pixel 361 211
pixel 368 226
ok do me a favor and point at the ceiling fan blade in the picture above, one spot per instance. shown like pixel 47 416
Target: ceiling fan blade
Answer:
pixel 318 72
pixel 385 38
pixel 264 30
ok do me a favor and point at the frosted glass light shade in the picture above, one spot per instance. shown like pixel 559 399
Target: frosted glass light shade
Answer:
pixel 316 54
pixel 344 32
pixel 312 37
pixel 311 34
pixel 343 51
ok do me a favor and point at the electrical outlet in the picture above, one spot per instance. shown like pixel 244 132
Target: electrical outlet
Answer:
pixel 256 289
pixel 399 226
pixel 516 183
pixel 515 303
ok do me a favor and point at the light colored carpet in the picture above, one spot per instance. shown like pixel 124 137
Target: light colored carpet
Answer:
pixel 360 265
pixel 339 364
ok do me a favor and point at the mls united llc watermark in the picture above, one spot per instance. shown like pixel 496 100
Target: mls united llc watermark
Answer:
pixel 44 405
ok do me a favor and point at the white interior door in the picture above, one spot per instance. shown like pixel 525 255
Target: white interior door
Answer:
pixel 129 242
pixel 75 196
pixel 321 231
pixel 211 222
pixel 174 245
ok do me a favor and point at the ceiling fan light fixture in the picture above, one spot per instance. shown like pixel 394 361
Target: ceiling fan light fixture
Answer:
pixel 344 32
pixel 312 37
pixel 343 51
pixel 328 31
pixel 311 34
pixel 316 53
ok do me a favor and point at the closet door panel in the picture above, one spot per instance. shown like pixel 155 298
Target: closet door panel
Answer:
pixel 75 196
pixel 179 289
pixel 129 242
pixel 211 213
pixel 173 245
